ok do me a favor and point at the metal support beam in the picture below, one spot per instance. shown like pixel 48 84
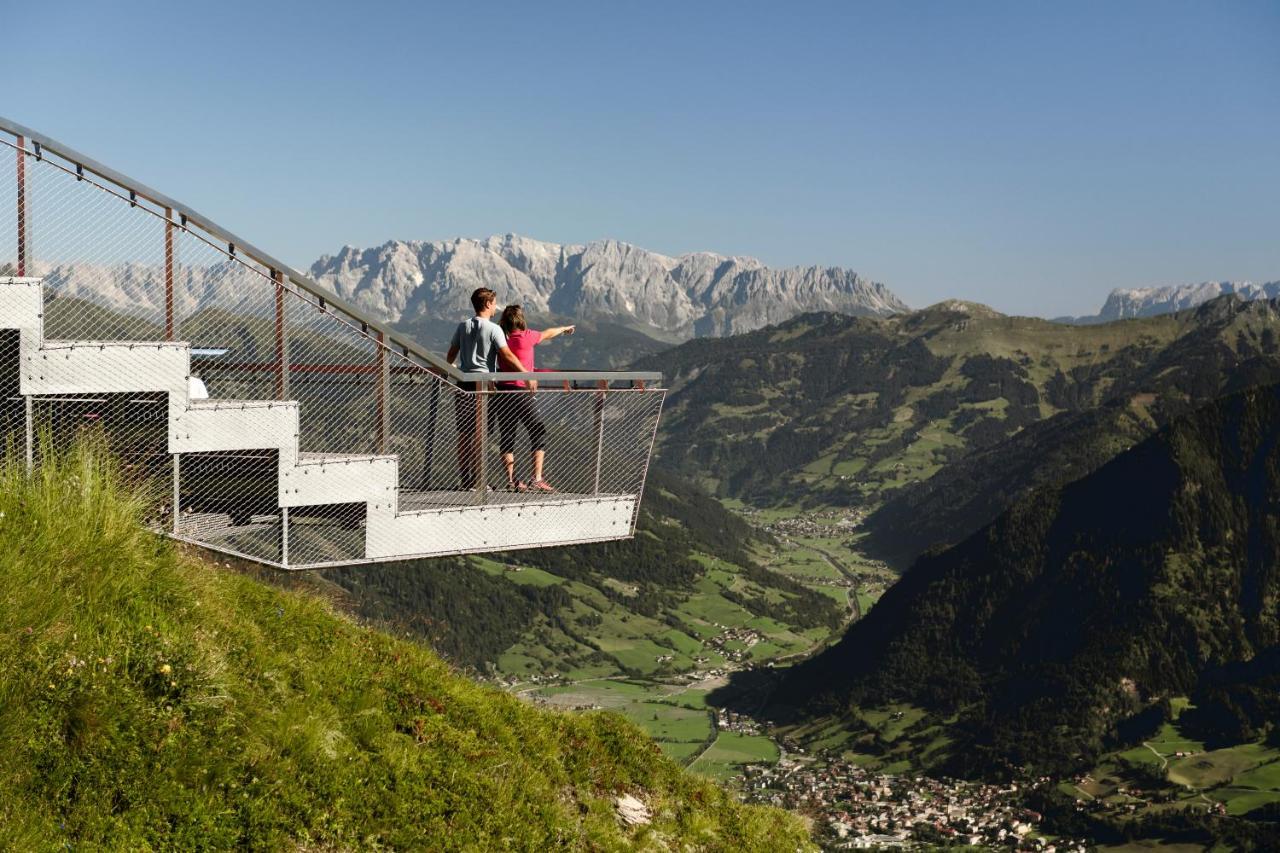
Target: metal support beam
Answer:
pixel 22 208
pixel 482 451
pixel 599 426
pixel 282 343
pixel 169 329
pixel 383 396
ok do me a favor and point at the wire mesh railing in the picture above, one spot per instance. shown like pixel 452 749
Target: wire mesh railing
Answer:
pixel 306 428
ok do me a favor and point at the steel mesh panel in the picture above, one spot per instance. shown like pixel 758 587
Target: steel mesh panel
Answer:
pixel 334 375
pixel 102 261
pixel 328 533
pixel 8 211
pixel 228 500
pixel 130 426
pixel 13 411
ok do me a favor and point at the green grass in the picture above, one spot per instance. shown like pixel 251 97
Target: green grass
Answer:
pixel 149 700
pixel 726 756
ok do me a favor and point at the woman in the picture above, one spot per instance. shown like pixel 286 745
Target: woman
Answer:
pixel 515 410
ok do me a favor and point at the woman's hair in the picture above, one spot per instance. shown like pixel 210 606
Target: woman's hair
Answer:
pixel 512 319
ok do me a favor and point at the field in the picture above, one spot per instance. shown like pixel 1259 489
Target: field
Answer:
pixel 730 751
pixel 677 718
pixel 599 635
pixel 1242 777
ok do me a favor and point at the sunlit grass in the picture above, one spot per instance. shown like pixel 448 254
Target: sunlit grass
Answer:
pixel 150 701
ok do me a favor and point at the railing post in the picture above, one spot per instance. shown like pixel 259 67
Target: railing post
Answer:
pixel 22 207
pixel 482 423
pixel 169 330
pixel 429 448
pixel 282 344
pixel 383 396
pixel 599 424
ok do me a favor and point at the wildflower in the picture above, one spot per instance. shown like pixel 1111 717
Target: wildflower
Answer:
pixel 166 669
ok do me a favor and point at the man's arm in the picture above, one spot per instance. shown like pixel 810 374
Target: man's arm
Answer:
pixel 455 344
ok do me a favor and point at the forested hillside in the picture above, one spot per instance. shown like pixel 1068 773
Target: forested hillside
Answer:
pixel 867 412
pixel 1050 633
pixel 606 608
pixel 1105 408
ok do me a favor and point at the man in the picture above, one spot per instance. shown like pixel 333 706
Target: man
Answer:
pixel 479 344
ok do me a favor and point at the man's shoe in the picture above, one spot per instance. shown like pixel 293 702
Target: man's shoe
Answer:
pixel 540 486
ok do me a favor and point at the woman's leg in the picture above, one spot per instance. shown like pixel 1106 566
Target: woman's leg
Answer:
pixel 508 425
pixel 537 436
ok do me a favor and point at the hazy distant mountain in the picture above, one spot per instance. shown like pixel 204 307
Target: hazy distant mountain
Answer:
pixel 1126 303
pixel 677 298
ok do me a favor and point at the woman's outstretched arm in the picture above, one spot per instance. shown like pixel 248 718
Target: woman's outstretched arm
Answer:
pixel 556 331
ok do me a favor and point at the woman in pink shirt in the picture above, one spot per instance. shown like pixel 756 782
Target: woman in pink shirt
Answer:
pixel 516 410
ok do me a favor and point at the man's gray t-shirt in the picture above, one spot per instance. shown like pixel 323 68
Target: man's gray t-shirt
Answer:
pixel 478 341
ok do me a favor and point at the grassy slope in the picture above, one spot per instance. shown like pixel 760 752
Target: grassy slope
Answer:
pixel 149 700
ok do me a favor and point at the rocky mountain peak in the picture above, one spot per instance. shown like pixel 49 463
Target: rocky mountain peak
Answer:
pixel 700 293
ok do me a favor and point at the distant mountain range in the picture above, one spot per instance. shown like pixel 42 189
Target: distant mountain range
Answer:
pixel 670 298
pixel 1127 303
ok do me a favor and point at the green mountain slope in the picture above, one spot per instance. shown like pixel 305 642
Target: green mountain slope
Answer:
pixel 649 606
pixel 1048 633
pixel 944 416
pixel 151 701
pixel 1228 345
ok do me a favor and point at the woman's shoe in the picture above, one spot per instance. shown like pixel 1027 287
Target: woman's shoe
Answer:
pixel 540 486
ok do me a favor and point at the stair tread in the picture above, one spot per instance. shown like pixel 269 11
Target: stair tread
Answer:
pixel 82 343
pixel 312 456
pixel 223 402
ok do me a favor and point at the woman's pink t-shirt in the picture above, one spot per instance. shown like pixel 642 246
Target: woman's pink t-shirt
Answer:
pixel 521 344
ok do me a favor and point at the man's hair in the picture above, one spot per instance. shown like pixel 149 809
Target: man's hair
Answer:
pixel 481 298
pixel 513 319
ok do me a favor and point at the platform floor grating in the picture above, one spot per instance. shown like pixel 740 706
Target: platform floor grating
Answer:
pixel 417 501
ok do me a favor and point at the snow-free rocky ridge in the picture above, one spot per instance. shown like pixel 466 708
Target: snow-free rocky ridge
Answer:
pixel 675 298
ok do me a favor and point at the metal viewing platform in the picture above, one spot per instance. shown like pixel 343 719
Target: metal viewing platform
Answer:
pixel 280 423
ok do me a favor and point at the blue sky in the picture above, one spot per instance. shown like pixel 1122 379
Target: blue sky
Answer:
pixel 1027 155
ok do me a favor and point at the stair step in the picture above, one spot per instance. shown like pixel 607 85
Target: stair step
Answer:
pixel 76 343
pixel 311 458
pixel 216 404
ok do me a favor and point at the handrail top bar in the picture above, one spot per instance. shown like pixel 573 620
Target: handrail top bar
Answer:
pixel 567 376
pixel 390 337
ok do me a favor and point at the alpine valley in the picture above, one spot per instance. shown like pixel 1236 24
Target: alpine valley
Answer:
pixel 1081 517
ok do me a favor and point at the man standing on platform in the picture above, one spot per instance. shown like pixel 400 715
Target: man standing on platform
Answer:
pixel 478 344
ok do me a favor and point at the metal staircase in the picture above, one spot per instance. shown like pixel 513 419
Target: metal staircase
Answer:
pixel 276 422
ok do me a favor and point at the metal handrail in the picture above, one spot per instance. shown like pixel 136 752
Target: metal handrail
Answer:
pixel 390 339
